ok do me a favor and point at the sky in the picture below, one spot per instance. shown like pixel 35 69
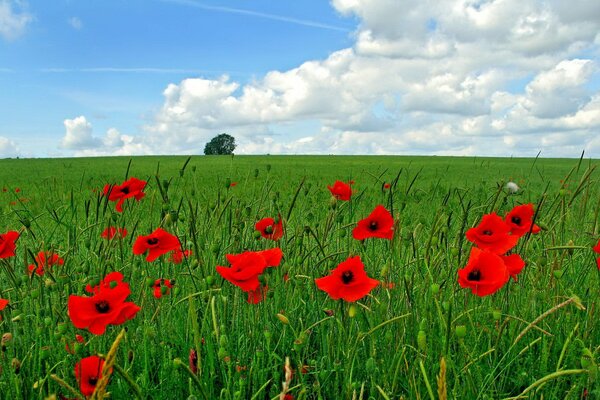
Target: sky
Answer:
pixel 433 77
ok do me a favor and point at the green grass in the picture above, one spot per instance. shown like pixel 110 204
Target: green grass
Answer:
pixel 388 345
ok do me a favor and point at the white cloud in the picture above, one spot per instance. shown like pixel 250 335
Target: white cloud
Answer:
pixel 78 134
pixel 12 24
pixel 496 77
pixel 75 23
pixel 8 148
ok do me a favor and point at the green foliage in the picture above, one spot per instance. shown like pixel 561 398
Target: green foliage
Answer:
pixel 388 345
pixel 222 144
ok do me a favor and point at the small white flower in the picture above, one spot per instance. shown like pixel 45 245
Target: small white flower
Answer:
pixel 512 187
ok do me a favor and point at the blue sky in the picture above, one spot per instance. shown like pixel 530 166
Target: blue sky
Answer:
pixel 347 76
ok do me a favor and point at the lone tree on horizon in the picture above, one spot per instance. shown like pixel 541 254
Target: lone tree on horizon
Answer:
pixel 222 144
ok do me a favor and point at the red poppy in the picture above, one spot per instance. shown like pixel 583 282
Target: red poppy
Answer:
pixel 111 231
pixel 258 295
pixel 492 234
pixel 514 264
pixel 246 267
pixel 3 304
pixel 270 228
pixel 485 273
pixel 340 190
pixel 106 307
pixel 596 248
pixel 156 244
pixel 233 184
pixel 132 188
pixel 519 220
pixel 158 286
pixel 379 224
pixel 598 263
pixel 178 255
pixel 347 281
pixel 43 262
pixel 386 186
pixel 17 190
pixel 7 244
pixel 88 372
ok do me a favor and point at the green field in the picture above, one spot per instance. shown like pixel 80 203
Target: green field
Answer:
pixel 539 336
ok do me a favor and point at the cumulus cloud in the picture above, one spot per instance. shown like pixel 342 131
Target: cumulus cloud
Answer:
pixel 12 23
pixel 8 148
pixel 496 77
pixel 78 134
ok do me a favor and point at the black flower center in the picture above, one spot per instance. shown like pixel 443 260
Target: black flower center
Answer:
pixel 102 307
pixel 474 275
pixel 125 190
pixel 347 277
pixel 516 220
pixel 373 225
pixel 92 380
pixel 487 232
pixel 152 241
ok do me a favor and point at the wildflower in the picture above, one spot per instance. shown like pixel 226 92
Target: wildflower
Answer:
pixel 519 220
pixel 512 187
pixel 159 289
pixel 107 305
pixel 3 304
pixel 7 244
pixel 131 188
pixel 88 372
pixel 347 281
pixel 514 264
pixel 596 248
pixel 156 244
pixel 111 232
pixel 340 190
pixel 492 234
pixel 246 268
pixel 270 228
pixel 43 262
pixel 258 295
pixel 178 255
pixel 386 186
pixel 485 273
pixel 379 224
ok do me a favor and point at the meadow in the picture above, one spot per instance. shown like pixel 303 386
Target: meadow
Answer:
pixel 416 335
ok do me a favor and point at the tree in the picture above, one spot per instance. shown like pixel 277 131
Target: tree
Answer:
pixel 219 145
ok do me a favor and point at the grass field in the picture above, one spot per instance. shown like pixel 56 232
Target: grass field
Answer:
pixel 417 335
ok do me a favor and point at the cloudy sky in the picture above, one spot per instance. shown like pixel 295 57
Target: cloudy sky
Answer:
pixel 458 77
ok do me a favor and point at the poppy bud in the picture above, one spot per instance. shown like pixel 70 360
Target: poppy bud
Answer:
pixel 435 288
pixel 352 310
pixel 461 331
pixel 48 321
pixel 223 340
pixel 542 261
pixel 16 365
pixel 256 235
pixel 422 341
pixel 333 202
pixel 284 320
pixel 570 243
pixel 44 353
pixel 558 273
pixel 496 314
pixel 298 345
pixel 35 293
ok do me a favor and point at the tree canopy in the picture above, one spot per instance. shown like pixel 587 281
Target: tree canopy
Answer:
pixel 220 145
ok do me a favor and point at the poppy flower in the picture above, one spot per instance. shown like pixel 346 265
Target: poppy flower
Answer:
pixel 156 244
pixel 340 190
pixel 258 295
pixel 7 244
pixel 3 304
pixel 111 232
pixel 162 286
pixel 178 255
pixel 519 220
pixel 131 188
pixel 106 307
pixel 492 234
pixel 485 273
pixel 43 262
pixel 347 281
pixel 379 224
pixel 514 264
pixel 233 184
pixel 17 190
pixel 386 186
pixel 270 228
pixel 246 267
pixel 88 372
pixel 596 248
